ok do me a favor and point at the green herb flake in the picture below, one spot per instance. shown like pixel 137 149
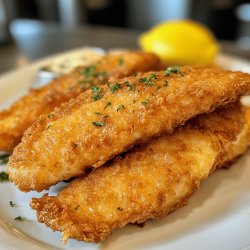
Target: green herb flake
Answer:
pixel 115 87
pixel 153 76
pixel 88 71
pixel 95 88
pixel 149 80
pixel 107 105
pixel 19 218
pixel 120 107
pixel 145 103
pixel 121 61
pixel 4 158
pixel 48 127
pixel 12 204
pixel 134 101
pixel 97 93
pixel 98 113
pixel 174 70
pixel 3 176
pixel 129 85
pixel 143 79
pixel 98 124
pixel 50 115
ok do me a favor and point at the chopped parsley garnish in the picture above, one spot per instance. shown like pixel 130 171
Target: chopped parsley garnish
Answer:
pixel 98 124
pixel 130 85
pixel 120 107
pixel 4 158
pixel 100 114
pixel 95 88
pixel 107 105
pixel 19 218
pixel 3 176
pixel 149 80
pixel 134 101
pixel 115 87
pixel 153 76
pixel 12 204
pixel 50 115
pixel 89 72
pixel 143 79
pixel 97 93
pixel 48 127
pixel 145 103
pixel 121 61
pixel 174 70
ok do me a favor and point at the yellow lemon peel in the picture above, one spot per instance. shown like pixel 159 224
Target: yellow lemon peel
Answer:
pixel 181 42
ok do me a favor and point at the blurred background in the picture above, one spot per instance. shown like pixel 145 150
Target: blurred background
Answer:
pixel 31 29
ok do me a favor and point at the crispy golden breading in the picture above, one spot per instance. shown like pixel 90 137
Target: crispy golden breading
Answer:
pixel 234 150
pixel 84 132
pixel 15 120
pixel 150 182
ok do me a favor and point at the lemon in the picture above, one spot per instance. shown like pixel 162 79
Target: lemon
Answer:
pixel 181 42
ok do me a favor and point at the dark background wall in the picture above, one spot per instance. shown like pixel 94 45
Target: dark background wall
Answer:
pixel 219 15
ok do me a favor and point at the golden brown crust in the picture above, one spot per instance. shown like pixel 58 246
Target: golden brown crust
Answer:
pixel 15 120
pixel 150 182
pixel 234 150
pixel 70 142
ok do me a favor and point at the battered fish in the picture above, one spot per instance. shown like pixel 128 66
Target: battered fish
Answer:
pixel 148 183
pixel 15 120
pixel 103 122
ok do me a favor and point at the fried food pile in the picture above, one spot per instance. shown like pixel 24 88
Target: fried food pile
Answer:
pixel 149 182
pixel 136 140
pixel 21 115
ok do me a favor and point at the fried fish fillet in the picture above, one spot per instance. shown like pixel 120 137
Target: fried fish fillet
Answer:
pixel 150 182
pixel 87 132
pixel 15 120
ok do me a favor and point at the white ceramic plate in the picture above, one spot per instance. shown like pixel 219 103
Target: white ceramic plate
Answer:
pixel 217 217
